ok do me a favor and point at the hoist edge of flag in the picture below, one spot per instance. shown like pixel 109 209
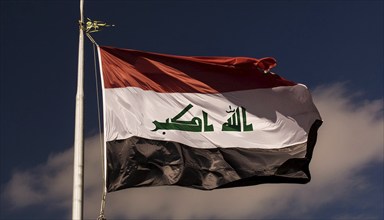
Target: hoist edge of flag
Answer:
pixel 104 147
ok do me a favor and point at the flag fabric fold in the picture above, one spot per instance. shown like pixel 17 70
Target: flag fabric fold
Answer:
pixel 203 122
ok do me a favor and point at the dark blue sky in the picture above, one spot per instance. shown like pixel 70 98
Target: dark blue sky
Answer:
pixel 315 43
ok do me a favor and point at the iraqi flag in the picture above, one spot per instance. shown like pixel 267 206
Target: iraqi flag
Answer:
pixel 203 122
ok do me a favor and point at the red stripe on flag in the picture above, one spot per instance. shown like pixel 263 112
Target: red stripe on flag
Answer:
pixel 169 73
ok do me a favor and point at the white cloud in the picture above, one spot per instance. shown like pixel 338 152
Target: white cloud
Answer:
pixel 350 138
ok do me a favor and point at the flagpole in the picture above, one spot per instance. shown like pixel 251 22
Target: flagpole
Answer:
pixel 78 163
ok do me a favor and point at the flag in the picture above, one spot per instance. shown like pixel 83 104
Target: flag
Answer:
pixel 203 122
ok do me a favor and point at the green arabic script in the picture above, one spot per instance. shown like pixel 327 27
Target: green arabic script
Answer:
pixel 194 125
pixel 237 122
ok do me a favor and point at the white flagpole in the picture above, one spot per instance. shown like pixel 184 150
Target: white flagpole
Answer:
pixel 78 164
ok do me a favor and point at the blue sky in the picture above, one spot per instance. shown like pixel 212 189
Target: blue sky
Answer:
pixel 334 47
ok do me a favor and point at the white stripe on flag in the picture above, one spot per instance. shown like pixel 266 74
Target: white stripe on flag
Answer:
pixel 280 116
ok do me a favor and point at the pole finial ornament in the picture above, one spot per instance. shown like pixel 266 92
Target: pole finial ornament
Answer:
pixel 95 26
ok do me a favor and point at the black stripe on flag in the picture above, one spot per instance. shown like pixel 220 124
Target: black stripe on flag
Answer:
pixel 136 162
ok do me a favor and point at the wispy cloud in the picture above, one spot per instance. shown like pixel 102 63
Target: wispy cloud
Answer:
pixel 350 138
